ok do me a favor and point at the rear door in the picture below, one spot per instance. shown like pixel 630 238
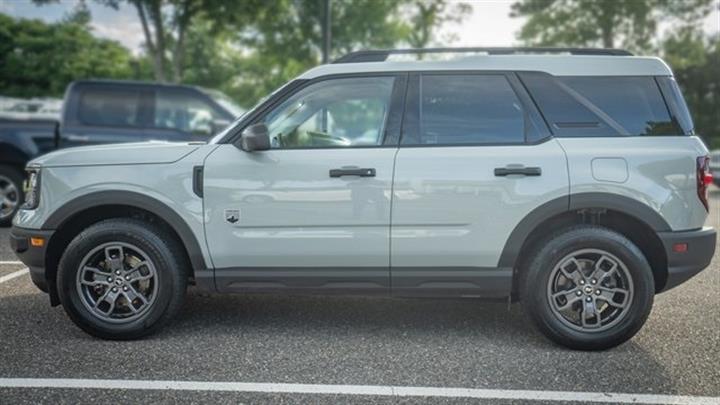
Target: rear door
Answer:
pixel 475 159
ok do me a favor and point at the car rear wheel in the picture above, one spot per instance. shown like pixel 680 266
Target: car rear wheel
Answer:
pixel 588 288
pixel 11 193
pixel 122 279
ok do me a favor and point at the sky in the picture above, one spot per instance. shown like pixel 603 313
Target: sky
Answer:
pixel 488 25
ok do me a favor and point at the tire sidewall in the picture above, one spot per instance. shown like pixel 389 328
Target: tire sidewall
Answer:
pixel 107 232
pixel 538 277
pixel 18 179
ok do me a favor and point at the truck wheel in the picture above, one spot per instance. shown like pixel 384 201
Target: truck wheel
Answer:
pixel 588 288
pixel 11 193
pixel 122 279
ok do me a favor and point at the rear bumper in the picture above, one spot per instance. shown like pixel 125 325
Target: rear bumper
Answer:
pixel 685 265
pixel 32 256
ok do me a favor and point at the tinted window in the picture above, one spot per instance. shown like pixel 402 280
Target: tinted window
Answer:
pixel 105 107
pixel 601 106
pixel 184 112
pixel 333 113
pixel 468 109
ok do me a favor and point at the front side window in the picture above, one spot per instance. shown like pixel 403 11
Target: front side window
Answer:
pixel 342 112
pixel 467 109
pixel 184 112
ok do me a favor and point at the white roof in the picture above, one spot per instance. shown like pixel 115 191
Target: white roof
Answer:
pixel 558 65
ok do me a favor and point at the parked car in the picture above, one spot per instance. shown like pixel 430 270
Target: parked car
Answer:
pixel 104 111
pixel 571 182
pixel 715 166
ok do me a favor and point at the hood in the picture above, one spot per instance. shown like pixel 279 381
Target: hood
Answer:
pixel 117 154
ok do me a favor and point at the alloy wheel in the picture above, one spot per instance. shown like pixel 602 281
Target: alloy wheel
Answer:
pixel 117 282
pixel 590 290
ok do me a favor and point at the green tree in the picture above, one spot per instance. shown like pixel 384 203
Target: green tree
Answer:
pixel 429 15
pixel 40 59
pixel 631 24
pixel 695 59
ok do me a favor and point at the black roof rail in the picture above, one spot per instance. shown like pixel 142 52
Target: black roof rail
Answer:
pixel 383 55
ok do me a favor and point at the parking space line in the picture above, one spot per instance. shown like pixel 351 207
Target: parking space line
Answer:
pixel 14 275
pixel 10 262
pixel 362 390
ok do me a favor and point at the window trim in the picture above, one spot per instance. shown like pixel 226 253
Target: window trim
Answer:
pixel 393 125
pixel 531 115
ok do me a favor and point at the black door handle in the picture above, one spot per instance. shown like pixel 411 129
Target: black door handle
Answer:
pixel 524 171
pixel 353 171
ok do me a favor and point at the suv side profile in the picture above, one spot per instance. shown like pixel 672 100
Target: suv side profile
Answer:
pixel 567 179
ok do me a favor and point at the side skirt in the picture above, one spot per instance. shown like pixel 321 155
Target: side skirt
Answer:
pixel 481 282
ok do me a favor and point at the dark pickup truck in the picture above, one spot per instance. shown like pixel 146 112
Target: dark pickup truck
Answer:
pixel 102 111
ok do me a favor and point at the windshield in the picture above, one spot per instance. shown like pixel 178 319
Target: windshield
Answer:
pixel 226 102
pixel 235 123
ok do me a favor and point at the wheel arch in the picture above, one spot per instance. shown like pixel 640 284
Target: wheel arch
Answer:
pixel 635 220
pixel 76 215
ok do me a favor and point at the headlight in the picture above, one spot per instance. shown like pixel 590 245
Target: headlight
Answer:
pixel 32 189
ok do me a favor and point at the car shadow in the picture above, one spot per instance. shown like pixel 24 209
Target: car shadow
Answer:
pixel 328 339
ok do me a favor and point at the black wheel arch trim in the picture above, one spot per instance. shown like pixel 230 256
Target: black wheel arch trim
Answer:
pixel 136 200
pixel 572 202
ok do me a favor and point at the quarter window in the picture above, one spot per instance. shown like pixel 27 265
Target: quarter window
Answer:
pixel 467 109
pixel 333 113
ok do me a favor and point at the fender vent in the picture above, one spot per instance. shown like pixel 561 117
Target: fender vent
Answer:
pixel 197 181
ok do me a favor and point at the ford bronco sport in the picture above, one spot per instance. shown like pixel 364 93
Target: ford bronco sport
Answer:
pixel 567 179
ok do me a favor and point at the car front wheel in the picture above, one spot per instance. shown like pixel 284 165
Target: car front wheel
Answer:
pixel 122 279
pixel 588 288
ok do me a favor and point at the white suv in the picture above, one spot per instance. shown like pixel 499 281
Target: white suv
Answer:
pixel 567 179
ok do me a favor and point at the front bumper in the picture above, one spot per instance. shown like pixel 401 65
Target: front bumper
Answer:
pixel 684 265
pixel 32 256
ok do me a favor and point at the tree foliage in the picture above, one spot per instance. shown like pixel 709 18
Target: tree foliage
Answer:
pixel 40 59
pixel 631 24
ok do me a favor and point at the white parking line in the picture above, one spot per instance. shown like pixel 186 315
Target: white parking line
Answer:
pixel 364 390
pixel 14 275
pixel 10 262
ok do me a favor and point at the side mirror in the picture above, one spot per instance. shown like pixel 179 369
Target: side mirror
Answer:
pixel 254 138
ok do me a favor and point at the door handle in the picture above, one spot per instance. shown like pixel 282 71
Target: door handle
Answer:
pixel 353 171
pixel 521 170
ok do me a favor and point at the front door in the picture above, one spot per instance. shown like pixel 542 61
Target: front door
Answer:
pixel 312 213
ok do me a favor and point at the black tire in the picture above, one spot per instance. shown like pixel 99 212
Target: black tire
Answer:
pixel 536 297
pixel 162 250
pixel 16 177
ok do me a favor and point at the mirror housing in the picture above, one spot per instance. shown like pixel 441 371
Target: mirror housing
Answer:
pixel 256 137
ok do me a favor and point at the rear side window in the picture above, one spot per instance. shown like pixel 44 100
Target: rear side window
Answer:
pixel 602 106
pixel 106 107
pixel 467 109
pixel 184 112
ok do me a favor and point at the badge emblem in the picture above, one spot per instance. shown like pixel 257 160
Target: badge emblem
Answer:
pixel 232 216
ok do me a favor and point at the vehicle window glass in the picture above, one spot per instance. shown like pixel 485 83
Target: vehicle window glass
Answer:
pixel 672 93
pixel 468 109
pixel 332 113
pixel 580 106
pixel 184 112
pixel 106 107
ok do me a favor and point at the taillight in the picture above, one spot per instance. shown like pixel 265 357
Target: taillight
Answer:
pixel 704 179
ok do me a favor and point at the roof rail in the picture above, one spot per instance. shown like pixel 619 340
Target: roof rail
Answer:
pixel 383 55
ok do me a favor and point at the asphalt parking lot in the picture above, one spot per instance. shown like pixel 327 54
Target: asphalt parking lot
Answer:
pixel 331 341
